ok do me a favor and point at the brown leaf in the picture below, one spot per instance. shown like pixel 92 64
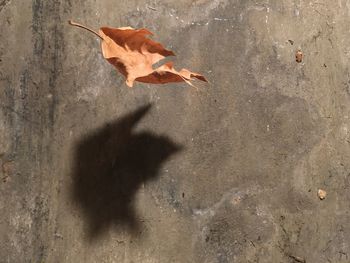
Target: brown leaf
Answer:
pixel 166 73
pixel 134 54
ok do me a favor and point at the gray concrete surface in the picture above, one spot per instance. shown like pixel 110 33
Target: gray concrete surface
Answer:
pixel 92 171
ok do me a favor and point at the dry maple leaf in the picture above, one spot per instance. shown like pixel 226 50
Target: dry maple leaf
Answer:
pixel 134 54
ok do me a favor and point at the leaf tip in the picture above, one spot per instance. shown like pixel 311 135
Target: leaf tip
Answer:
pixel 129 83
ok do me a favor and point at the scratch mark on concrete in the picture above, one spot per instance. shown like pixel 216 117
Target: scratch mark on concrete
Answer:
pixel 6 107
pixel 233 196
pixel 220 19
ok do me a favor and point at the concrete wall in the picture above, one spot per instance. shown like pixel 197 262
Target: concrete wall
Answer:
pixel 92 171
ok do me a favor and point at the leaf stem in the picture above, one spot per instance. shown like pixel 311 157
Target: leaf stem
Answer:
pixel 84 27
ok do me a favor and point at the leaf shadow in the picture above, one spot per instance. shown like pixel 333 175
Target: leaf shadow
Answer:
pixel 110 166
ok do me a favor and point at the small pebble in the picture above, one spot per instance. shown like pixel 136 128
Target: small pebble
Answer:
pixel 321 194
pixel 299 56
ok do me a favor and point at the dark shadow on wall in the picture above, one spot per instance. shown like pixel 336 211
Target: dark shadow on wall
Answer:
pixel 111 164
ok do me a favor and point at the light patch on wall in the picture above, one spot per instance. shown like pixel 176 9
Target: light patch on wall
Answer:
pixel 89 93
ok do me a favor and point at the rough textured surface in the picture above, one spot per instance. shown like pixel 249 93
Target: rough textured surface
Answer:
pixel 225 173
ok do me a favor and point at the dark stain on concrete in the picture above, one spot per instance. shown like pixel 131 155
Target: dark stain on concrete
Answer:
pixel 47 28
pixel 3 3
pixel 29 102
